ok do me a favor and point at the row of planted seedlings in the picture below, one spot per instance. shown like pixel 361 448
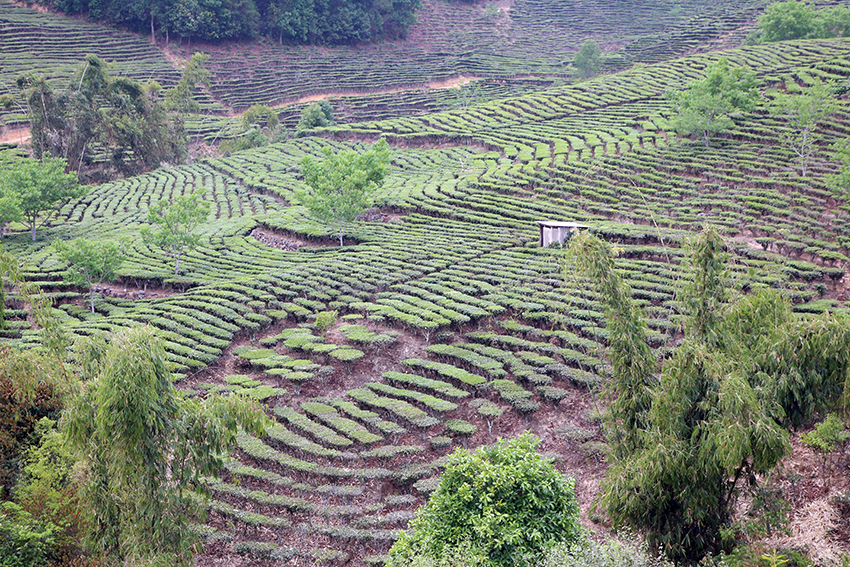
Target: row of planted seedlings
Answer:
pixel 639 85
pixel 540 361
pixel 409 398
pixel 50 45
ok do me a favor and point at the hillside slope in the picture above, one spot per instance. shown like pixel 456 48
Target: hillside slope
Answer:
pixel 453 326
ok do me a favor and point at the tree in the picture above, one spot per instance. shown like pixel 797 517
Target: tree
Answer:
pixel 745 371
pixel 127 119
pixel 505 504
pixel 10 204
pixel 588 59
pixel 146 448
pixel 315 115
pixel 788 20
pixel 176 223
pixel 706 107
pixel 36 187
pixel 633 364
pixel 91 262
pixel 802 114
pixel 195 75
pixel 343 184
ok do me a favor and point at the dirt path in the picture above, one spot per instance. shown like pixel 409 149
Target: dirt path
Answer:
pixel 454 82
pixel 15 136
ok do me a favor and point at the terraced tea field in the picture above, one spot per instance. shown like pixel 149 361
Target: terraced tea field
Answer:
pixel 499 40
pixel 454 327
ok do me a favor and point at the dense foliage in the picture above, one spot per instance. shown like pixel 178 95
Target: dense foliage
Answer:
pixel 32 190
pixel 343 184
pixel 706 107
pixel 503 504
pixel 100 119
pixel 717 419
pixel 798 20
pixel 290 21
pixel 146 448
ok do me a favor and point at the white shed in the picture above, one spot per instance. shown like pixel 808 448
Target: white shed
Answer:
pixel 556 231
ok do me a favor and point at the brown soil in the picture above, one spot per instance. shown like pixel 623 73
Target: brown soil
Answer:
pixel 131 289
pixel 15 135
pixel 547 423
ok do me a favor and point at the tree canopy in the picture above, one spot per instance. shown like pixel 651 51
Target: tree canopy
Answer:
pixel 286 21
pixel 503 505
pixel 588 59
pixel 90 262
pixel 706 106
pixel 343 184
pixel 173 225
pixel 717 419
pixel 801 114
pixel 147 448
pixel 797 20
pixel 98 113
pixel 32 190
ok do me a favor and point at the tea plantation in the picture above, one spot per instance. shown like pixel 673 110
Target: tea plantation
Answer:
pixel 453 326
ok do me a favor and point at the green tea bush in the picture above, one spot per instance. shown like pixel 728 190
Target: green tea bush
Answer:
pixel 505 503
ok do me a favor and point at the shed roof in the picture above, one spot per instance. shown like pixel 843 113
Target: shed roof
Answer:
pixel 560 224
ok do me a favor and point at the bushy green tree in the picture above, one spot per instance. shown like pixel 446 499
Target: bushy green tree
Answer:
pixel 706 106
pixel 315 115
pixel 503 505
pixel 287 21
pixel 173 225
pixel 801 114
pixel 24 542
pixel 588 59
pixel 181 96
pixel 788 20
pixel 343 184
pixel 91 262
pixel 34 189
pixel 146 448
pixel 716 421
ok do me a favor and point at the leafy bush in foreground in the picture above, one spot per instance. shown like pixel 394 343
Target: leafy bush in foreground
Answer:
pixel 503 504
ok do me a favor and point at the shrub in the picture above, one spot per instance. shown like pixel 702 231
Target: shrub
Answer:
pixel 631 551
pixel 23 541
pixel 504 503
pixel 324 321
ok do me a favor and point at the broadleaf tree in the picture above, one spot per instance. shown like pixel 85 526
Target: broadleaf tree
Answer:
pixel 718 419
pixel 343 184
pixel 90 262
pixel 588 59
pixel 173 225
pixel 33 189
pixel 706 106
pixel 500 506
pixel 801 114
pixel 147 449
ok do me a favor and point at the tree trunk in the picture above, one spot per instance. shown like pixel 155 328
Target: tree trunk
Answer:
pixel 153 35
pixel 91 298
pixel 33 229
pixel 340 235
pixel 177 264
